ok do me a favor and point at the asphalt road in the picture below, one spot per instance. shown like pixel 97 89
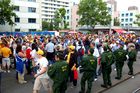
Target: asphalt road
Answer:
pixel 10 85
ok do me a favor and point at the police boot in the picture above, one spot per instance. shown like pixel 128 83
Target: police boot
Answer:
pixel 104 86
pixel 81 92
pixel 130 73
pixel 118 78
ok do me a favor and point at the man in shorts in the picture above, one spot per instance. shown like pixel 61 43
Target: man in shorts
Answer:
pixel 6 52
pixel 41 78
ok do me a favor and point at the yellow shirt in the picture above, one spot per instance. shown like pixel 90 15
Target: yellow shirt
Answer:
pixel 5 51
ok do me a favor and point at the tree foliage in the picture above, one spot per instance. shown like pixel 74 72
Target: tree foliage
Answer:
pixel 6 12
pixel 137 20
pixel 116 22
pixel 59 19
pixel 47 25
pixel 93 12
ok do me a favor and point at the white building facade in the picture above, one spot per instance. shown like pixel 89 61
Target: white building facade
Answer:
pixel 127 18
pixel 28 16
pixel 48 8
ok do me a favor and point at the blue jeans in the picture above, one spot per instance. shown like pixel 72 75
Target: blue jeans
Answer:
pixel 51 62
pixel 86 49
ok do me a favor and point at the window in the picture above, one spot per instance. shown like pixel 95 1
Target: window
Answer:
pixel 31 20
pixel 17 30
pixel 122 24
pixel 32 0
pixel 67 11
pixel 109 9
pixel 131 14
pixel 130 25
pixel 126 14
pixel 30 30
pixel 122 20
pixel 16 8
pixel 122 15
pixel 126 24
pixel 126 20
pixel 68 17
pixel 17 20
pixel 131 19
pixel 31 9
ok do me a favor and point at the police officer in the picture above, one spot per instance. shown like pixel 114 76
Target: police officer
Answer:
pixel 120 57
pixel 89 64
pixel 58 72
pixel 107 59
pixel 131 58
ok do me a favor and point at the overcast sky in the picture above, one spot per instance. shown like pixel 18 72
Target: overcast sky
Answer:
pixel 123 4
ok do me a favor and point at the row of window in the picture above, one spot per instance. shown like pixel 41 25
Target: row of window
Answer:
pixel 126 25
pixel 30 9
pixel 30 20
pixel 52 8
pixel 58 5
pixel 126 20
pixel 57 1
pixel 127 14
pixel 32 0
pixel 30 30
pixel 66 17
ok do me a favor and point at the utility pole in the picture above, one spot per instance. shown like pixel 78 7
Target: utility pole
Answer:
pixel 112 18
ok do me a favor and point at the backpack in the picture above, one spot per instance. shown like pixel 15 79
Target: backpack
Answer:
pixel 81 51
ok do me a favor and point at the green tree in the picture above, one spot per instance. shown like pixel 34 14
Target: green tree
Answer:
pixel 59 19
pixel 93 12
pixel 47 25
pixel 116 22
pixel 137 20
pixel 6 12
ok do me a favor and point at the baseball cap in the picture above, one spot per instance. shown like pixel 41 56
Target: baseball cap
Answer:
pixel 40 52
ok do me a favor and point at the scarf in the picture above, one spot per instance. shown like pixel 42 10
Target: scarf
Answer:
pixel 69 55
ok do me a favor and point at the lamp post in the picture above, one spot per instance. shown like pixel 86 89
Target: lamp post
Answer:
pixel 111 22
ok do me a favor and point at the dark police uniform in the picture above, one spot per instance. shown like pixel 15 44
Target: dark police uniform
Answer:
pixel 132 54
pixel 58 72
pixel 89 64
pixel 107 59
pixel 120 57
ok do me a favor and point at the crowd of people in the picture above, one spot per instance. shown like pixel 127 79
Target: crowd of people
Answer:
pixel 61 58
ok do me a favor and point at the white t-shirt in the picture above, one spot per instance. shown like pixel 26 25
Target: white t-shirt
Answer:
pixel 34 55
pixel 96 52
pixel 42 62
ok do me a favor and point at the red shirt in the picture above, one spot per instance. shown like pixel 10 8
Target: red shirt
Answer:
pixel 28 50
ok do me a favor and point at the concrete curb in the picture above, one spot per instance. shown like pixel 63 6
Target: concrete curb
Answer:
pixel 118 83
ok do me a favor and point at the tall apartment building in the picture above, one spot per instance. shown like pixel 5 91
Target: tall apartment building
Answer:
pixel 75 17
pixel 28 16
pixel 127 18
pixel 48 8
pixel 114 3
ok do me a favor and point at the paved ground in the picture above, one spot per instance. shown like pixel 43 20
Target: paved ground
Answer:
pixel 10 85
pixel 126 87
